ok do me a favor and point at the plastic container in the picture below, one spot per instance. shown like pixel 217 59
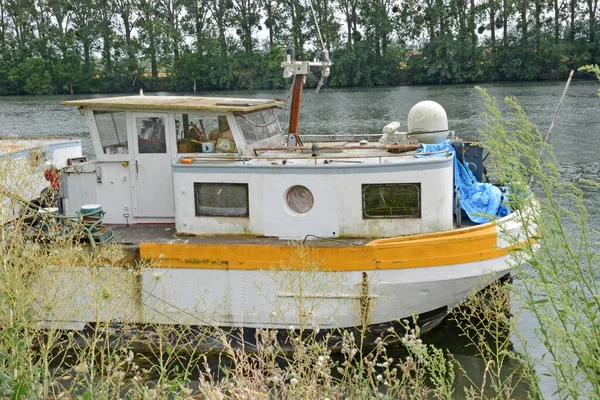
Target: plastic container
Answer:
pixel 208 147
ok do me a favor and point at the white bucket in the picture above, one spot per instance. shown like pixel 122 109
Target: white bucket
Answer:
pixel 208 147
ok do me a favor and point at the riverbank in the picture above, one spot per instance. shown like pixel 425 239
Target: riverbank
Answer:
pixel 169 83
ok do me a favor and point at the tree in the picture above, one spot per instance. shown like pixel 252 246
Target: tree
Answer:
pixel 325 21
pixel 592 8
pixel 245 16
pixel 375 18
pixel 350 10
pixel 195 22
pixel 105 24
pixel 170 10
pixel 150 31
pixel 296 12
pixel 221 12
pixel 84 26
pixel 126 12
pixel 274 13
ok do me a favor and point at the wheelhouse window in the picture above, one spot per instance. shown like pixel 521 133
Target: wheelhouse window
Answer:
pixel 193 130
pixel 221 199
pixel 151 135
pixel 391 200
pixel 112 129
pixel 260 127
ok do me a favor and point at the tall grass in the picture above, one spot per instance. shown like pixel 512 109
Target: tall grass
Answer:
pixel 558 275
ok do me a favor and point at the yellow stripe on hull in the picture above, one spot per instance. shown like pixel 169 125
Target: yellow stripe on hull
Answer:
pixel 428 250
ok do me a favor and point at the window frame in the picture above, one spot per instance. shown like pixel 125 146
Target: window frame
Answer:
pixel 417 185
pixel 277 139
pixel 127 146
pixel 197 212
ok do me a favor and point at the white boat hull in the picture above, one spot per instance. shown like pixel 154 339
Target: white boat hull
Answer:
pixel 269 297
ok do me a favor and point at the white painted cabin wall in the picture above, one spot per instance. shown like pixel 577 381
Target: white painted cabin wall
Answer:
pixel 337 195
pixel 81 186
pixel 114 192
pixel 78 186
pixel 337 192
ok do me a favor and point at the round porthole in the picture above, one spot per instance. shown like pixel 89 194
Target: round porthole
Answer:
pixel 299 199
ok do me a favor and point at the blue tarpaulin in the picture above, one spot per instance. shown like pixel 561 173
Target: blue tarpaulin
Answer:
pixel 476 198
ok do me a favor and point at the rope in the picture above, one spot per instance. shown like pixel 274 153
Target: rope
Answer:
pixel 552 124
pixel 317 24
pixel 75 222
pixel 334 92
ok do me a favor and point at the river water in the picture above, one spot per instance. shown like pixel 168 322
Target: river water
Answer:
pixel 575 138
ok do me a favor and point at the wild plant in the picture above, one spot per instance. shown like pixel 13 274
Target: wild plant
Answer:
pixel 556 264
pixel 487 323
pixel 306 367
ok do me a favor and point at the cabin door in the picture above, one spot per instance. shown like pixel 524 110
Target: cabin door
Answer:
pixel 151 166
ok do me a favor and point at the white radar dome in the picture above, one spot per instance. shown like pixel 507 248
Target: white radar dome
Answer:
pixel 427 122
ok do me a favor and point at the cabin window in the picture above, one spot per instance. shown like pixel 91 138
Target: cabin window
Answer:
pixel 151 135
pixel 112 130
pixel 299 199
pixel 193 130
pixel 260 126
pixel 392 200
pixel 221 199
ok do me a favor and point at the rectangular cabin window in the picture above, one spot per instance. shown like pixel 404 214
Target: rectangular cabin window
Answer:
pixel 112 129
pixel 260 126
pixel 391 200
pixel 194 129
pixel 221 199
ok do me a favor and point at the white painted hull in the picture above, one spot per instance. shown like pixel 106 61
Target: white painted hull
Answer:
pixel 72 297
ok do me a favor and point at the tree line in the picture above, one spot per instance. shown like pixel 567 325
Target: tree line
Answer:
pixel 84 46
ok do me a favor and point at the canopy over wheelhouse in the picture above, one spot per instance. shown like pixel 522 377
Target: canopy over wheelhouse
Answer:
pixel 189 103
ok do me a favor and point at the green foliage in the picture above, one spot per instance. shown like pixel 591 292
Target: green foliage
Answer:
pixel 591 69
pixel 87 46
pixel 557 259
pixel 520 64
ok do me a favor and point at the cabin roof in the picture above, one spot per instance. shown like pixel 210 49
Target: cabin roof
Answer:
pixel 156 103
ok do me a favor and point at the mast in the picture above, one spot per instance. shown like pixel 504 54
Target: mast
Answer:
pixel 295 107
pixel 299 70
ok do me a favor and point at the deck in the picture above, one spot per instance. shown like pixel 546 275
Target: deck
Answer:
pixel 134 235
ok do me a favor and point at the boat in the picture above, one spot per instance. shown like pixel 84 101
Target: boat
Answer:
pixel 242 224
pixel 39 160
